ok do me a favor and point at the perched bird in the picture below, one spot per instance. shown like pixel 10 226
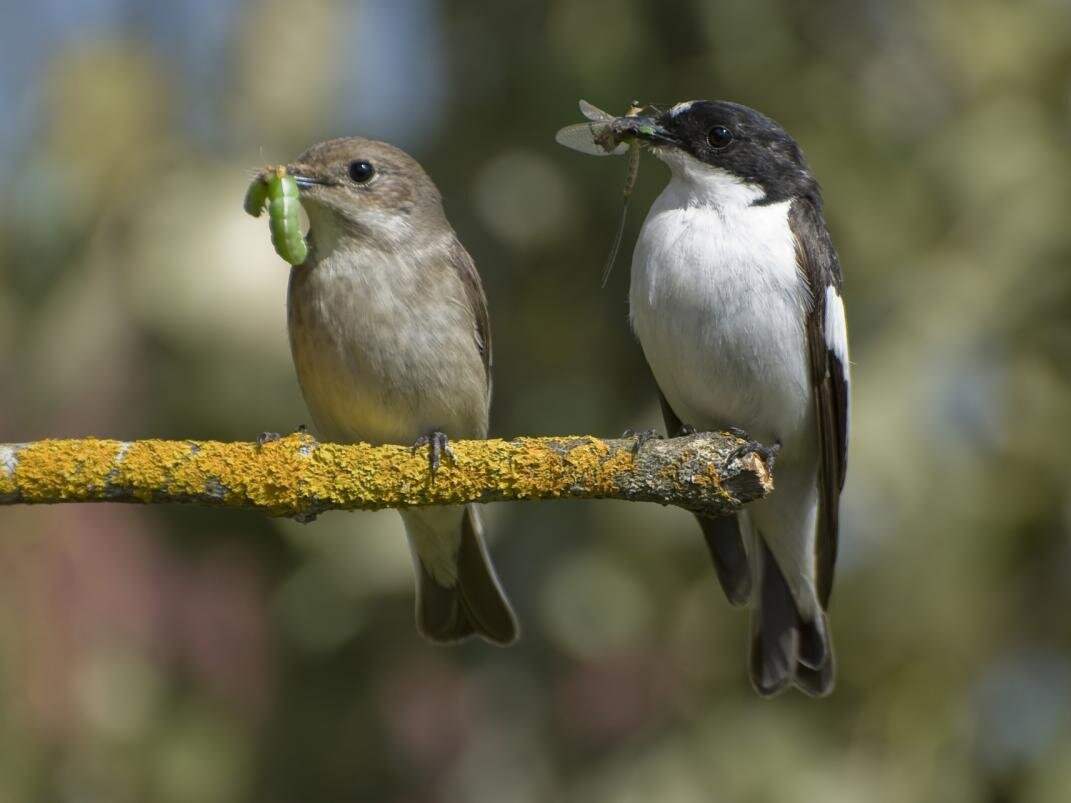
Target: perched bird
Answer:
pixel 736 300
pixel 389 334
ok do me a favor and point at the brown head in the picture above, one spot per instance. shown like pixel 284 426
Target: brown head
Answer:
pixel 368 189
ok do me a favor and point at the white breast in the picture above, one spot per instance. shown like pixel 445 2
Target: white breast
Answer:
pixel 718 305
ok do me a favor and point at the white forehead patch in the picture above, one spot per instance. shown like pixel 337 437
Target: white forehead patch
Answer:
pixel 681 108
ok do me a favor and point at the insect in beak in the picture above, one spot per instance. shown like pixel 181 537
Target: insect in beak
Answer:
pixel 605 134
pixel 277 189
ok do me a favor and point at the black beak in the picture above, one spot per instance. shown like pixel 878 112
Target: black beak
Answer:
pixel 304 182
pixel 643 128
pixel 304 176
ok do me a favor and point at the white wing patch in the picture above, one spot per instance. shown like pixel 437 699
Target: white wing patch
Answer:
pixel 836 328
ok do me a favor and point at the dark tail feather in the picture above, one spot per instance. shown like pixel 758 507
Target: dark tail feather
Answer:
pixel 439 614
pixel 475 605
pixel 774 639
pixel 726 547
pixel 784 648
pixel 814 643
pixel 482 597
pixel 722 534
pixel 816 682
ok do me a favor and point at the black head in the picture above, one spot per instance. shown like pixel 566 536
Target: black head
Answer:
pixel 742 142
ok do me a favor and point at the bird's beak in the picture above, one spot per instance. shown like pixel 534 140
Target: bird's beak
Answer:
pixel 304 175
pixel 644 129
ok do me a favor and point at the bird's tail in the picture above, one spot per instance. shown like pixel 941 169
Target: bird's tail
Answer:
pixel 726 546
pixel 458 594
pixel 786 647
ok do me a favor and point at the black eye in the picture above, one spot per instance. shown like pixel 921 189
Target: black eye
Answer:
pixel 361 171
pixel 719 136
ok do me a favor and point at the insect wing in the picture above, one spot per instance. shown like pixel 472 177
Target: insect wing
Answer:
pixel 594 113
pixel 585 137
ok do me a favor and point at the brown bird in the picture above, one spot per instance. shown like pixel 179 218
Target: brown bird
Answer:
pixel 390 338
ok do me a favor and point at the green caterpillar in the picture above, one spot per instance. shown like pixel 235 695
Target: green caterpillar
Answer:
pixel 280 191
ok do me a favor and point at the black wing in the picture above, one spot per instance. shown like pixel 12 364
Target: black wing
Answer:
pixel 828 344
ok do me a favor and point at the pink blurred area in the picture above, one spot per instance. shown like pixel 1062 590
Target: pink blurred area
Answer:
pixel 95 581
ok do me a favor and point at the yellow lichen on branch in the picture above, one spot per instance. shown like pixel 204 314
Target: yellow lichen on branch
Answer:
pixel 711 473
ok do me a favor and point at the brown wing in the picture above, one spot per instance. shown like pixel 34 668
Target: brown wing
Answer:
pixel 470 280
pixel 828 347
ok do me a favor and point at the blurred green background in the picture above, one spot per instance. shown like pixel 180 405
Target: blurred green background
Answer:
pixel 180 655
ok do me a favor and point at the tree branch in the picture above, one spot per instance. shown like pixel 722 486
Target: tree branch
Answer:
pixel 297 476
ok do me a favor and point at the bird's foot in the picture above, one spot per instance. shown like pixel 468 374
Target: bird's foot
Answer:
pixel 641 438
pixel 303 431
pixel 268 437
pixel 767 453
pixel 438 445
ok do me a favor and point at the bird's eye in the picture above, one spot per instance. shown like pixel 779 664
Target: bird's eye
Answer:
pixel 719 136
pixel 361 170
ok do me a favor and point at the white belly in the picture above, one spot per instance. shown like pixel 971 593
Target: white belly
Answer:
pixel 718 305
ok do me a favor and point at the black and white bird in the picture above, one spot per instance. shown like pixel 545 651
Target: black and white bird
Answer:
pixel 736 300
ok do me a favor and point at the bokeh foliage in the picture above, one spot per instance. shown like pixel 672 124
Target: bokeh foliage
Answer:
pixel 197 655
